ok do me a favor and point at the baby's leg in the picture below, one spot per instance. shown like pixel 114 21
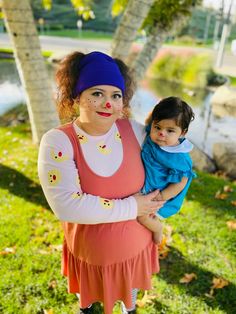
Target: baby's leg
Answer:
pixel 153 224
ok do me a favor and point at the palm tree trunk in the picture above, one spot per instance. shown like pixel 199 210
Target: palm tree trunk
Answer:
pixel 31 66
pixel 134 15
pixel 154 42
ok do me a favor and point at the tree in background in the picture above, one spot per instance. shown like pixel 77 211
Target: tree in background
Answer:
pixel 31 66
pixel 133 17
pixel 30 63
pixel 164 18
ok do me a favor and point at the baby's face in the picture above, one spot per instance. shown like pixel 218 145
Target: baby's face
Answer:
pixel 166 132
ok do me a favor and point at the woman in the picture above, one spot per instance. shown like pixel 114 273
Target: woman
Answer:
pixel 91 172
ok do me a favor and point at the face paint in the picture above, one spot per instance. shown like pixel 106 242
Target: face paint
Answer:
pixel 108 105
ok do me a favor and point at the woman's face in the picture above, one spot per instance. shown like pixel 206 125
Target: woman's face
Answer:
pixel 101 104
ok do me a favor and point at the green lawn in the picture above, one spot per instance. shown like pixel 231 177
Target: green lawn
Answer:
pixel 83 34
pixel 30 243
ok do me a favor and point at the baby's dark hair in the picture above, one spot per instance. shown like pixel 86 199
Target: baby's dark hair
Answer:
pixel 173 108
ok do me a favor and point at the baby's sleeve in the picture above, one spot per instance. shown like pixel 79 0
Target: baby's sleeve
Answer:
pixel 60 182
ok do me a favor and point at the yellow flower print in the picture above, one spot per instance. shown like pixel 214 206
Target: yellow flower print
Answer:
pixel 107 204
pixel 54 177
pixel 118 137
pixel 58 157
pixel 102 148
pixel 76 195
pixel 82 138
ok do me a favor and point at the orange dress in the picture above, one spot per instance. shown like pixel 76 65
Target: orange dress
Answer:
pixel 104 262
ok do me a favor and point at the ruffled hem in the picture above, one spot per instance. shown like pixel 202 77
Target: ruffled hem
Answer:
pixel 110 283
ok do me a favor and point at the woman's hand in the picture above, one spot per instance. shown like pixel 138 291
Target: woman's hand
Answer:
pixel 147 203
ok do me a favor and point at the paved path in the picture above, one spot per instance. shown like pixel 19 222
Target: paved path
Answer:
pixel 61 46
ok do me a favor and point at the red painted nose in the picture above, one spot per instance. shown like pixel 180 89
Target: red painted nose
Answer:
pixel 108 105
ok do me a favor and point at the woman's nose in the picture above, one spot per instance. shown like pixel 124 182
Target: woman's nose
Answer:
pixel 108 105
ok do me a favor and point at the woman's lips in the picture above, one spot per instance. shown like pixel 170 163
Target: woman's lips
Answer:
pixel 104 114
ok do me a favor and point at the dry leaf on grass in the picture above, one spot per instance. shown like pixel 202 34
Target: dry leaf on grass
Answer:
pixel 233 203
pixel 231 224
pixel 220 196
pixel 227 189
pixel 48 311
pixel 52 284
pixel 163 250
pixel 188 278
pixel 146 299
pixel 218 283
pixel 8 250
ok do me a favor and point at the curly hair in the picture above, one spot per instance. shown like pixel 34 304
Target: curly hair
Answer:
pixel 67 75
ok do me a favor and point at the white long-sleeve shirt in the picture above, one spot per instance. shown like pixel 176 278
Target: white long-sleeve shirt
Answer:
pixel 61 184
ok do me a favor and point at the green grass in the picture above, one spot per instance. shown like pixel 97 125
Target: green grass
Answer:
pixel 45 53
pixel 83 34
pixel 232 81
pixel 30 279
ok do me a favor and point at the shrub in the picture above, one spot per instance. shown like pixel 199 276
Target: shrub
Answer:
pixel 185 67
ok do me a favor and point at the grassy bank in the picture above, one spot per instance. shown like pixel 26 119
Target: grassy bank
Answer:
pixel 83 34
pixel 200 240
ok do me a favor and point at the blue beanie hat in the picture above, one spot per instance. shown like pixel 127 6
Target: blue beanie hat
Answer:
pixel 97 68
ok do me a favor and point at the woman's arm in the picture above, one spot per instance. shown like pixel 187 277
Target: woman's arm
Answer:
pixel 60 182
pixel 172 190
pixel 61 185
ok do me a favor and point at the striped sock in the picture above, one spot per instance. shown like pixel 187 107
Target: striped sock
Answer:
pixel 134 293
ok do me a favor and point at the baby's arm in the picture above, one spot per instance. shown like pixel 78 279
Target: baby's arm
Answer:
pixel 152 223
pixel 172 190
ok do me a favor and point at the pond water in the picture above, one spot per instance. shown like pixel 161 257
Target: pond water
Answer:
pixel 205 130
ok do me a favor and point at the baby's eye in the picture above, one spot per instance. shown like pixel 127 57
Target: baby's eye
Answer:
pixel 157 127
pixel 97 94
pixel 171 131
pixel 117 96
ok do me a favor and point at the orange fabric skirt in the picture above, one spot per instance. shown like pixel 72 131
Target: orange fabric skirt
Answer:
pixel 99 258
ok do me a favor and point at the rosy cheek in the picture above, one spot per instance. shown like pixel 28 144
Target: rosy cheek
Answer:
pixel 119 107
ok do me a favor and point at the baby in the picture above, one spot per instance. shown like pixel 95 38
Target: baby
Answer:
pixel 165 154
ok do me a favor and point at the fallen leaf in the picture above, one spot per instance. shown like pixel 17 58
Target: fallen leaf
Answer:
pixel 220 196
pixel 56 247
pixel 233 203
pixel 188 278
pixel 218 283
pixel 146 299
pixel 8 250
pixel 209 295
pixel 231 224
pixel 52 284
pixel 163 250
pixel 227 189
pixel 48 311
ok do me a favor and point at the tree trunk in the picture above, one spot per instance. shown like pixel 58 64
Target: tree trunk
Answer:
pixel 31 66
pixel 154 42
pixel 133 17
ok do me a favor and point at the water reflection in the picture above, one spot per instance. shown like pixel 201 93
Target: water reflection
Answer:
pixel 205 130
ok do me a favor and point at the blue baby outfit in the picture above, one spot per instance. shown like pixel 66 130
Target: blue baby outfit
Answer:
pixel 165 165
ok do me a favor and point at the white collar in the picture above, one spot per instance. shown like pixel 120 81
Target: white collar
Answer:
pixel 185 146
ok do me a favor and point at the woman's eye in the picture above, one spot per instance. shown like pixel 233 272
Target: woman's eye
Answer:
pixel 97 94
pixel 117 96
